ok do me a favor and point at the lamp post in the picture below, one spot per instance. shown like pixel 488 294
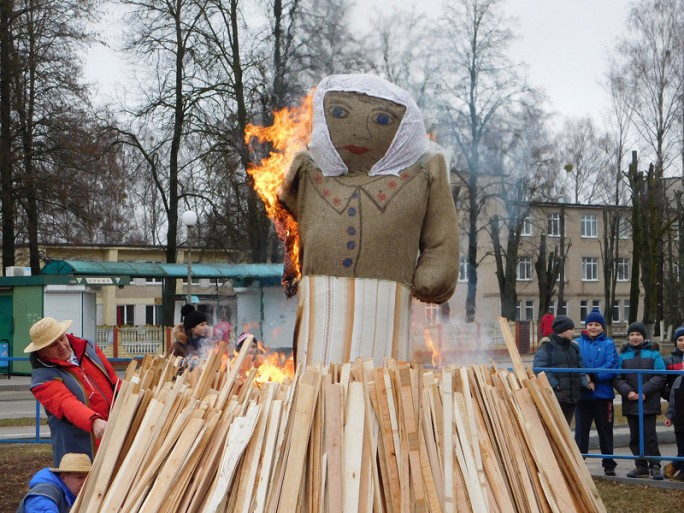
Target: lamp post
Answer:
pixel 189 219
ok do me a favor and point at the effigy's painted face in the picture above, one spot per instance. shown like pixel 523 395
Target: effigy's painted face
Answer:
pixel 361 127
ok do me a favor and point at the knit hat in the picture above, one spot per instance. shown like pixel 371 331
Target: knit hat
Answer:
pixel 595 316
pixel 241 339
pixel 678 333
pixel 75 462
pixel 45 332
pixel 194 318
pixel 639 327
pixel 186 309
pixel 562 323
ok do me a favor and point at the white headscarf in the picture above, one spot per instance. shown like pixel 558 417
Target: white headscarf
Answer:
pixel 408 145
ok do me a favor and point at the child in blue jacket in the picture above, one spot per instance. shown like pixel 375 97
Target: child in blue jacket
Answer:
pixel 596 404
pixel 54 490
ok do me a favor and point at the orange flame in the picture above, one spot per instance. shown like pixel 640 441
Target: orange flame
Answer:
pixel 288 135
pixel 275 367
pixel 436 353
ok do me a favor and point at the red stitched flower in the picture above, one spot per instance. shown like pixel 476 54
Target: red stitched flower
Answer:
pixel 318 179
pixel 382 196
pixel 404 176
pixel 392 184
pixel 337 202
pixel 326 192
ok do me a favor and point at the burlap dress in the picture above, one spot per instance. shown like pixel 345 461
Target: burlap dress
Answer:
pixel 368 243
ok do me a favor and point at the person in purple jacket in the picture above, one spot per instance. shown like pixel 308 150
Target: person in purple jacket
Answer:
pixel 596 405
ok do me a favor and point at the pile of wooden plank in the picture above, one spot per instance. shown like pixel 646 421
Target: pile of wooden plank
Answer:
pixel 337 439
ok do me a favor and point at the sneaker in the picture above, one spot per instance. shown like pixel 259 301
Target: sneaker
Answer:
pixel 609 472
pixel 638 472
pixel 655 473
pixel 669 471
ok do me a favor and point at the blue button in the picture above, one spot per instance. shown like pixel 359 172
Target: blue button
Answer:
pixel 351 230
pixel 351 245
pixel 347 262
pixel 351 211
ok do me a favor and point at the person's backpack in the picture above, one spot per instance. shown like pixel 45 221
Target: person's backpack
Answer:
pixel 48 490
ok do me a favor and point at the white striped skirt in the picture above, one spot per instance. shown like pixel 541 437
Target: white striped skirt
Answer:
pixel 340 319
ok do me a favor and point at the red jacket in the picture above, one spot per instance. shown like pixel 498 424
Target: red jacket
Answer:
pixel 98 384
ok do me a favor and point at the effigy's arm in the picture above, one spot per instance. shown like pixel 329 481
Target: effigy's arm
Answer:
pixel 437 270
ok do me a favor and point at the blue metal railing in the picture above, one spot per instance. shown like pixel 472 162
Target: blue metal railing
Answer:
pixel 640 379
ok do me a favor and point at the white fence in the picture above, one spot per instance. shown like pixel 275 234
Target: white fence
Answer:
pixel 131 341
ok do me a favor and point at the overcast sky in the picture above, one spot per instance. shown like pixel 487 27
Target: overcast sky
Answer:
pixel 566 44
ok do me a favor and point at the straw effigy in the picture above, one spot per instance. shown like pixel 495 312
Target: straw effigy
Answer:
pixel 338 439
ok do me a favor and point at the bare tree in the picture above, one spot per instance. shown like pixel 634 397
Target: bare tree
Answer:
pixel 585 161
pixel 653 68
pixel 163 37
pixel 49 106
pixel 480 84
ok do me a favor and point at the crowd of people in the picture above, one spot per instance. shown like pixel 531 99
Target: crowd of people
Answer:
pixel 596 368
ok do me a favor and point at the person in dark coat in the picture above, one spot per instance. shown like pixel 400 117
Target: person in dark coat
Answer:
pixel 675 417
pixel 562 352
pixel 639 354
pixel 673 361
pixel 596 405
pixel 195 333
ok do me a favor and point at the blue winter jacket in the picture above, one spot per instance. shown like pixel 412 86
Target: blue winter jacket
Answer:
pixel 598 353
pixel 41 503
pixel 640 357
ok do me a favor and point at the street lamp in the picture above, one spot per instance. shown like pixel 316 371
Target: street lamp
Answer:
pixel 189 219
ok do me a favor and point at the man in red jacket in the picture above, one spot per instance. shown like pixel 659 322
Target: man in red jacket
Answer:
pixel 74 382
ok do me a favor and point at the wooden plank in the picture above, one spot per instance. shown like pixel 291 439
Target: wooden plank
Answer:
pixel 268 456
pixel 411 427
pixel 334 443
pixel 301 428
pixel 509 339
pixel 448 440
pixel 239 435
pixel 353 447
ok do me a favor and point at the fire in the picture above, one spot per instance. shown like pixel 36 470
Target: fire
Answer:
pixel 436 353
pixel 275 367
pixel 288 135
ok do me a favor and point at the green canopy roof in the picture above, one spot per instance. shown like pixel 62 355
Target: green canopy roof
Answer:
pixel 267 274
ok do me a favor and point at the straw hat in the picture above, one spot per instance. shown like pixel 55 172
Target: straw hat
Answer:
pixel 73 462
pixel 45 332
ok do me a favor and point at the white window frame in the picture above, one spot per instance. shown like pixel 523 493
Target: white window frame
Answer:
pixel 617 311
pixel 590 270
pixel 624 228
pixel 527 227
pixel 622 269
pixel 463 269
pixel 529 310
pixel 554 225
pixel 523 270
pixel 432 314
pixel 589 226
